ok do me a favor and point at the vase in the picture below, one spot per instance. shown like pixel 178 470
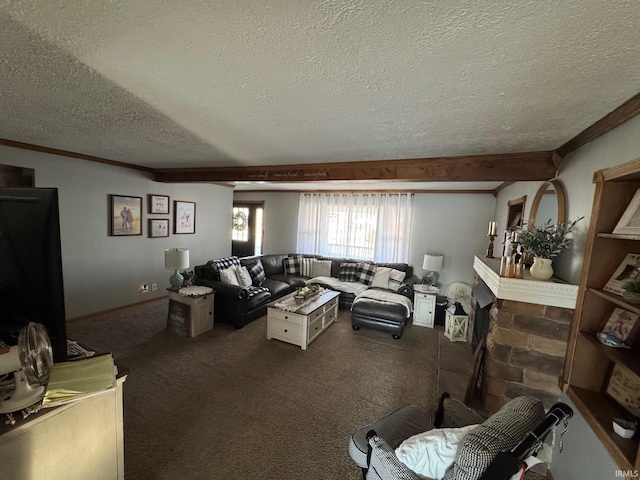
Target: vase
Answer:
pixel 541 268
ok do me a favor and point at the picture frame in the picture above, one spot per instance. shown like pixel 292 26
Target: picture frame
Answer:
pixel 629 223
pixel 158 227
pixel 621 323
pixel 125 215
pixel 629 269
pixel 184 217
pixel 158 204
pixel 623 387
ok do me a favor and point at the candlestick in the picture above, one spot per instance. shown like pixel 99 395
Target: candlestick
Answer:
pixel 489 253
pixel 492 229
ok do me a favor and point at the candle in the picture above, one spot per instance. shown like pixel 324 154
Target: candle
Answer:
pixel 514 237
pixel 492 229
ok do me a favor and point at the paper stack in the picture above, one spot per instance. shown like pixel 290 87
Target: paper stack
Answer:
pixel 70 381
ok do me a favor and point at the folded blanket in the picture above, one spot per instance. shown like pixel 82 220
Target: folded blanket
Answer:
pixel 335 284
pixel 386 296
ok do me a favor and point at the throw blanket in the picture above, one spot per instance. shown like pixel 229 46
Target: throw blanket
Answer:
pixel 388 297
pixel 335 284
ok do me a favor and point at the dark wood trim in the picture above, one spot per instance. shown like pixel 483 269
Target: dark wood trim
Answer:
pixel 472 192
pixel 617 117
pixel 65 153
pixel 527 166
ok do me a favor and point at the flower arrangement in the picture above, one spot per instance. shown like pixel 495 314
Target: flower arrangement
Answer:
pixel 308 290
pixel 546 241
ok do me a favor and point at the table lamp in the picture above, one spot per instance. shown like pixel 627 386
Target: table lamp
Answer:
pixel 433 264
pixel 176 259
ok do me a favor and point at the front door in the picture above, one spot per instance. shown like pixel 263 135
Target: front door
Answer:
pixel 246 234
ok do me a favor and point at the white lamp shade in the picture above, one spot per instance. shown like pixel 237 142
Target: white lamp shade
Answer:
pixel 432 262
pixel 176 258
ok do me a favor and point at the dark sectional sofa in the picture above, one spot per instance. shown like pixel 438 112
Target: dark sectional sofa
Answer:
pixel 236 306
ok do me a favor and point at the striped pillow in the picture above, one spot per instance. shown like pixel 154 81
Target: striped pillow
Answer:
pixel 395 279
pixel 306 266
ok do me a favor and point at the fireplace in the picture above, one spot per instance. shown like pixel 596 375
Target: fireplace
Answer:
pixel 526 323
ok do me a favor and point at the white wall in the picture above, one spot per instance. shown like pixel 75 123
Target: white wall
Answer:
pixel 280 219
pixel 103 272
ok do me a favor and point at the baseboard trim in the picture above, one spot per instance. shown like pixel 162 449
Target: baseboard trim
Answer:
pixel 102 312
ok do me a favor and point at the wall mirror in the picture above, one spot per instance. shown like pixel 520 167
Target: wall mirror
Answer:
pixel 549 204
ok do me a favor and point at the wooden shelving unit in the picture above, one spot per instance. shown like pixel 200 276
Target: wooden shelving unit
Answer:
pixel 589 363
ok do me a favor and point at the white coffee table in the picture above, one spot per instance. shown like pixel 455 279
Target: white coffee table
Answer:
pixel 305 324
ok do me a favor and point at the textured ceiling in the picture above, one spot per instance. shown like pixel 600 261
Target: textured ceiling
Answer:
pixel 187 83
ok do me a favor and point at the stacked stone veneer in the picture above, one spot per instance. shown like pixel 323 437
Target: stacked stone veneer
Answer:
pixel 525 351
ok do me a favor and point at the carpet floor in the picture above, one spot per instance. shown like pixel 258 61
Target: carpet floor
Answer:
pixel 230 404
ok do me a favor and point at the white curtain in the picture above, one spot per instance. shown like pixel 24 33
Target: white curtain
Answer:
pixel 361 226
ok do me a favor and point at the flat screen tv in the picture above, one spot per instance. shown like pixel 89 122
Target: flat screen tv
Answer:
pixel 31 287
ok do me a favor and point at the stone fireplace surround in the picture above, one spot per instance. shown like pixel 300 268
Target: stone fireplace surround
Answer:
pixel 529 323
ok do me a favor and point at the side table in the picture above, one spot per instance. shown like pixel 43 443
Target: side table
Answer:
pixel 190 315
pixel 424 306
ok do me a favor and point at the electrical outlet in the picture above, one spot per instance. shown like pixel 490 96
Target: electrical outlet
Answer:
pixel 154 287
pixel 144 288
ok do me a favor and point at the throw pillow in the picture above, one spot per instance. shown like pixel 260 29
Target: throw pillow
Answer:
pixel 291 265
pixel 381 278
pixel 256 270
pixel 501 432
pixel 395 279
pixel 228 276
pixel 430 453
pixel 306 263
pixel 244 279
pixel 348 272
pixel 321 268
pixel 366 271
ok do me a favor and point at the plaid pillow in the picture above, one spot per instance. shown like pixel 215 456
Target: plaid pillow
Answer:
pixel 226 262
pixel 291 265
pixel 256 270
pixel 348 272
pixel 366 272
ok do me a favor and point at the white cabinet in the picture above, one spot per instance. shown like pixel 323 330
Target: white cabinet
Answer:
pixel 194 320
pixel 424 309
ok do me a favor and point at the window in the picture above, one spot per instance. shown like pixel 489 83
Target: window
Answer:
pixel 364 226
pixel 240 230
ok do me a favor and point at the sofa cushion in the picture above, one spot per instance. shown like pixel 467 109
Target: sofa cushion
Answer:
pixel 256 270
pixel 501 432
pixel 396 277
pixel 228 276
pixel 306 264
pixel 321 268
pixel 366 272
pixel 244 278
pixel 277 288
pixel 291 265
pixel 272 262
pixel 348 272
pixel 293 280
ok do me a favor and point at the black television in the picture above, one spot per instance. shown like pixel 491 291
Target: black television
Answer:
pixel 31 286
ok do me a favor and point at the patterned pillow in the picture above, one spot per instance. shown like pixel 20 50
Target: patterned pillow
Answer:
pixel 306 265
pixel 226 262
pixel 348 272
pixel 395 279
pixel 291 265
pixel 256 270
pixel 384 465
pixel 501 432
pixel 366 272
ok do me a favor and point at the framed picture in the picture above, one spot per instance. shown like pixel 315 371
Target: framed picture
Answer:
pixel 629 223
pixel 623 387
pixel 629 269
pixel 158 204
pixel 184 217
pixel 158 227
pixel 125 215
pixel 620 323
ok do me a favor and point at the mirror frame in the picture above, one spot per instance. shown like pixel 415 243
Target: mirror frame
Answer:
pixel 560 195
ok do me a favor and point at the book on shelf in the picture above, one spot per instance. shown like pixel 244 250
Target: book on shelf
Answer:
pixel 71 381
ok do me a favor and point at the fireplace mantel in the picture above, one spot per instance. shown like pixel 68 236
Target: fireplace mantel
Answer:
pixel 554 292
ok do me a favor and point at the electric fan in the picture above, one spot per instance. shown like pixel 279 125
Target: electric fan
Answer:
pixel 30 362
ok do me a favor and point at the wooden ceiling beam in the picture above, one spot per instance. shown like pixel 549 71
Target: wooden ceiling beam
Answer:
pixel 528 166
